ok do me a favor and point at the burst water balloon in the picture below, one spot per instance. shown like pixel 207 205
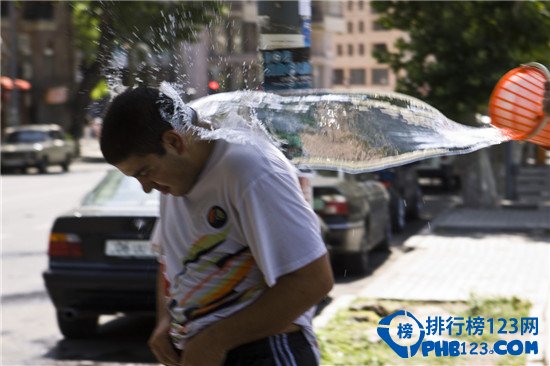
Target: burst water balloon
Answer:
pixel 355 132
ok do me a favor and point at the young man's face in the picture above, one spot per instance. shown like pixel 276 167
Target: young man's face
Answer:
pixel 173 173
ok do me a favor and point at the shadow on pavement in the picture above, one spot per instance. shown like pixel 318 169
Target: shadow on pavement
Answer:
pixel 343 275
pixel 123 339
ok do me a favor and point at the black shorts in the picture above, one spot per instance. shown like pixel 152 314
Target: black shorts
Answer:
pixel 286 349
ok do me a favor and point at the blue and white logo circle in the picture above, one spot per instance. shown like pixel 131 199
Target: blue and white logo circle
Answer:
pixel 402 332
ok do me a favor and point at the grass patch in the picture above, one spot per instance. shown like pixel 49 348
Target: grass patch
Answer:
pixel 351 337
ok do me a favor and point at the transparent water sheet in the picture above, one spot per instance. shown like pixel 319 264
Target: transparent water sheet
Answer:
pixel 352 131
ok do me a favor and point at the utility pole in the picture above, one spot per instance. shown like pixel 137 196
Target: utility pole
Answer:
pixel 13 109
pixel 285 39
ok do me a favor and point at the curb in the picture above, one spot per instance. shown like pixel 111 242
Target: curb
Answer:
pixel 503 220
pixel 321 320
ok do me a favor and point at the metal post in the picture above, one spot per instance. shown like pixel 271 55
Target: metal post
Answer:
pixel 13 110
pixel 510 172
pixel 285 28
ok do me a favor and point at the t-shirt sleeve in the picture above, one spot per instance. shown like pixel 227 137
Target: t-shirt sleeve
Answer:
pixel 280 227
pixel 157 238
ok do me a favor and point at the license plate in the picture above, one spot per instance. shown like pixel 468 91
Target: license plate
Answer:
pixel 129 248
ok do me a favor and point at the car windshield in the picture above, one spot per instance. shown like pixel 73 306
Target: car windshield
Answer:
pixel 26 136
pixel 119 191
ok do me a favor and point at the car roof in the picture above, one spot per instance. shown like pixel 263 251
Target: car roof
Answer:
pixel 41 127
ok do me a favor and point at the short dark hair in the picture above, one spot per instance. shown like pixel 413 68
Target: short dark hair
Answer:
pixel 133 125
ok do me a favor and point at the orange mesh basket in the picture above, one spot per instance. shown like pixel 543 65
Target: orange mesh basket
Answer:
pixel 515 105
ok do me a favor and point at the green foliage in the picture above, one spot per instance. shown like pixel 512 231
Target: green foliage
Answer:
pixel 140 28
pixel 101 90
pixel 86 24
pixel 498 307
pixel 102 25
pixel 456 51
pixel 350 338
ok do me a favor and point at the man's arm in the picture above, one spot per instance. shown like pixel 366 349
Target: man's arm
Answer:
pixel 275 310
pixel 160 341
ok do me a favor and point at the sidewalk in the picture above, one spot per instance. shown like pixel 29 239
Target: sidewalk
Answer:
pixel 90 151
pixel 502 252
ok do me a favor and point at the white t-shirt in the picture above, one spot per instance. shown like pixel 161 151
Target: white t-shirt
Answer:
pixel 244 224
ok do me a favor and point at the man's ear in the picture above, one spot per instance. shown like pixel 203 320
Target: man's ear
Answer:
pixel 173 141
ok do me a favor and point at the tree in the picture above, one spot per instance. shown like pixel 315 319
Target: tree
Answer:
pixel 453 55
pixel 102 27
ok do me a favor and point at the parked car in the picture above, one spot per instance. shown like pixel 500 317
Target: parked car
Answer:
pixel 406 200
pixel 355 209
pixel 99 256
pixel 37 146
pixel 100 259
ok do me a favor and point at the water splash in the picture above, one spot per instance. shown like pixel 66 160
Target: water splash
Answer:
pixel 355 132
pixel 352 131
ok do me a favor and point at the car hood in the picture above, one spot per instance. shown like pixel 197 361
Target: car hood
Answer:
pixel 19 147
pixel 94 211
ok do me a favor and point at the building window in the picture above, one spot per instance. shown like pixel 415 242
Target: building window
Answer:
pixel 377 26
pixel 373 10
pixel 357 77
pixel 38 10
pixel 360 3
pixel 350 5
pixel 250 42
pixel 350 50
pixel 4 9
pixel 380 77
pixel 361 49
pixel 339 50
pixel 338 76
pixel 379 47
pixel 361 26
pixel 350 27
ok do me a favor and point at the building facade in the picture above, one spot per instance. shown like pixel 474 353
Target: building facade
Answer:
pixel 326 23
pixel 225 56
pixel 37 46
pixel 354 66
pixel 227 52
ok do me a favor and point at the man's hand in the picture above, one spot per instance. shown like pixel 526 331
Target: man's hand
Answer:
pixel 203 349
pixel 160 344
pixel 546 100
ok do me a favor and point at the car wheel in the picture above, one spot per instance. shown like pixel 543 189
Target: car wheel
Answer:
pixel 417 205
pixel 77 326
pixel 399 215
pixel 65 165
pixel 384 245
pixel 43 166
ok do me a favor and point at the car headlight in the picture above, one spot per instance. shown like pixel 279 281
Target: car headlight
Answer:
pixel 38 147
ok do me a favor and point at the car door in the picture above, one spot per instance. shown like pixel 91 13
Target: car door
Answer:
pixel 57 150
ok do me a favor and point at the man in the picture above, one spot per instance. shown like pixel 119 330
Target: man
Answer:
pixel 242 259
